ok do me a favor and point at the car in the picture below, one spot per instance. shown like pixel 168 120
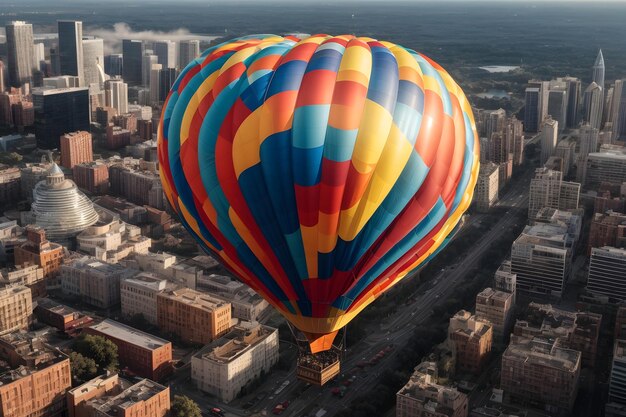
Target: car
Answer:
pixel 217 412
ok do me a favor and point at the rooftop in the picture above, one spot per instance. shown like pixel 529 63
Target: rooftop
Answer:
pixel 544 352
pixel 129 334
pixel 195 298
pixel 240 339
pixel 114 406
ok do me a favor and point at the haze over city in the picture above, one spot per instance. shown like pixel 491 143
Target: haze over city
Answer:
pixel 363 209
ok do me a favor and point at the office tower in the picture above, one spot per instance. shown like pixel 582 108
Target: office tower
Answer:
pixel 573 100
pixel 3 79
pixel 167 78
pixel 19 36
pixel 618 111
pixel 493 121
pixel 549 138
pixel 113 65
pixel 541 258
pixel 544 91
pixel 608 165
pixel 55 65
pixel 133 52
pixel 486 193
pixel 531 112
pixel 116 95
pixel 588 144
pixel 607 272
pixel 155 83
pixel 71 49
pixel 188 50
pixel 557 103
pixel 607 229
pixel 514 131
pixel 617 381
pixel 59 111
pixel 548 189
pixel 165 52
pixel 39 59
pixel 593 102
pixel 76 147
pixel 146 67
pixel 93 61
pixel 598 70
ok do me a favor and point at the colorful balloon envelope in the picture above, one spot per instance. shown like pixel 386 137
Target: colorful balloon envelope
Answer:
pixel 320 170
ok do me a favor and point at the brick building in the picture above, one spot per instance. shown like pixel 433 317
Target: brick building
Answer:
pixel 39 251
pixel 92 177
pixel 76 148
pixel 472 339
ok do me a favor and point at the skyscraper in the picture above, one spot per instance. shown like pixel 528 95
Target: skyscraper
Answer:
pixel 166 53
pixel 71 49
pixel 573 101
pixel 20 53
pixel 618 110
pixel 548 189
pixel 155 83
pixel 588 144
pixel 167 78
pixel 557 103
pixel 593 103
pixel 113 65
pixel 531 112
pixel 116 95
pixel 598 70
pixel 607 272
pixel 187 51
pixel 146 66
pixel 59 111
pixel 93 61
pixel 549 138
pixel 132 51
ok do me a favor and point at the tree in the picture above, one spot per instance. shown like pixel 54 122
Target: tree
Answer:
pixel 101 350
pixel 183 406
pixel 83 369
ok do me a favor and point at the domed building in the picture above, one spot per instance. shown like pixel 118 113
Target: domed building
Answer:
pixel 60 208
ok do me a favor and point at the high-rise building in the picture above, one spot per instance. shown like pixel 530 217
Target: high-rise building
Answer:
pixel 496 307
pixel 116 95
pixel 39 57
pixel 133 52
pixel 505 280
pixel 607 272
pixel 608 166
pixel 146 67
pixel 531 112
pixel 617 110
pixel 167 78
pixel 549 138
pixel 548 189
pixel 3 77
pixel 593 103
pixel 557 103
pixel 537 371
pixel 541 259
pixel 71 49
pixel 165 51
pixel 226 365
pixel 472 340
pixel 423 396
pixel 486 193
pixel 188 50
pixel 144 354
pixel 139 295
pixel 573 101
pixel 607 229
pixel 617 381
pixel 155 83
pixel 20 52
pixel 588 141
pixel 194 316
pixel 113 65
pixel 59 111
pixel 76 147
pixel 93 61
pixel 597 75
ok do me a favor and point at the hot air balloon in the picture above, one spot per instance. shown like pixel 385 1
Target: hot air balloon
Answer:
pixel 320 170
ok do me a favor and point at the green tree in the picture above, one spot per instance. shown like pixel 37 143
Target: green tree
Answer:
pixel 83 369
pixel 101 350
pixel 183 406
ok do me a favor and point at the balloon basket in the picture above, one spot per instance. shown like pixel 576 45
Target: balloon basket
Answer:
pixel 318 368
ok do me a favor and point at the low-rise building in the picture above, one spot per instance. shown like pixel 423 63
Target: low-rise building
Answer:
pixel 37 250
pixel 28 275
pixel 540 373
pixel 193 316
pixel 497 308
pixel 95 282
pixel 423 396
pixel 110 396
pixel 92 177
pixel 143 354
pixel 472 340
pixel 607 229
pixel 35 380
pixel 16 308
pixel 246 303
pixel 235 360
pixel 574 330
pixel 61 316
pixel 10 178
pixel 139 295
